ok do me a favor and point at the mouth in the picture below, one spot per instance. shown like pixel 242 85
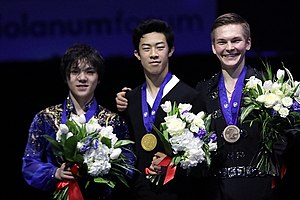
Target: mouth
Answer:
pixel 232 55
pixel 82 87
pixel 155 62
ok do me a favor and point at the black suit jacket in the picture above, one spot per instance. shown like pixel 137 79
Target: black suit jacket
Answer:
pixel 231 155
pixel 177 188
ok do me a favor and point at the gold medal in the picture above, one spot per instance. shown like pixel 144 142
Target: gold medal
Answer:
pixel 149 142
pixel 231 133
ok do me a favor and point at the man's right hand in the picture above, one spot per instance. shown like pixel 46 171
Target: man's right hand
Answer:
pixel 121 101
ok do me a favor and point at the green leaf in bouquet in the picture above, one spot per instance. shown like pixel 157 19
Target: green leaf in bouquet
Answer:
pixel 176 159
pixel 61 194
pixel 105 181
pixel 56 146
pixel 78 158
pixel 121 143
pixel 260 91
pixel 174 109
pixel 208 159
pixel 296 116
pixel 264 163
pixel 246 111
pixel 121 163
pixel 117 173
pixel 122 179
pixel 269 72
pixel 76 129
pixel 106 141
pixel 207 122
pixel 70 148
pixel 164 137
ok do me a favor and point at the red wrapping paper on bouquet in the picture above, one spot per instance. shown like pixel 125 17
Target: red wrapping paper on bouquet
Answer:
pixel 171 169
pixel 74 192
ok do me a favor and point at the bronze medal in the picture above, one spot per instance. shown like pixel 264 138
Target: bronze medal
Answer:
pixel 231 133
pixel 149 142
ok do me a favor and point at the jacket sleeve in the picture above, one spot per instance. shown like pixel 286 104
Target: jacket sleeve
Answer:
pixel 37 169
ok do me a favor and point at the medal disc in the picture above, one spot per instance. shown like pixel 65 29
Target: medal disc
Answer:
pixel 149 142
pixel 231 133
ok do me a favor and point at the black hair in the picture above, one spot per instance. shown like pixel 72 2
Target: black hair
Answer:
pixel 78 52
pixel 153 25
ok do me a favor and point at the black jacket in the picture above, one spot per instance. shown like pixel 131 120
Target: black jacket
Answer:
pixel 179 187
pixel 229 179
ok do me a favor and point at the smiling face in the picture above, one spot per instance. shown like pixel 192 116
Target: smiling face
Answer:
pixel 230 45
pixel 82 81
pixel 154 54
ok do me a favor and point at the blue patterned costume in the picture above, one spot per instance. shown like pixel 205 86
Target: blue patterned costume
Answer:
pixel 39 163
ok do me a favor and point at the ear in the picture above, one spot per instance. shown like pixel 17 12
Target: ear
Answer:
pixel 248 43
pixel 171 51
pixel 213 48
pixel 137 55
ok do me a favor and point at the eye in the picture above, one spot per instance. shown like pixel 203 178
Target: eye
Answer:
pixel 74 71
pixel 221 42
pixel 146 49
pixel 90 71
pixel 236 41
pixel 160 47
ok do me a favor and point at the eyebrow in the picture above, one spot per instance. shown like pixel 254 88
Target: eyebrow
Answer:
pixel 147 44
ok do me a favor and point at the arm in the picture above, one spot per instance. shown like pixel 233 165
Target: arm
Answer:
pixel 39 165
pixel 37 168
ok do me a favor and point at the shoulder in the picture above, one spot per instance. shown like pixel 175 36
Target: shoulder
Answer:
pixel 185 87
pixel 50 112
pixel 251 71
pixel 50 116
pixel 135 91
pixel 208 84
pixel 181 92
pixel 107 117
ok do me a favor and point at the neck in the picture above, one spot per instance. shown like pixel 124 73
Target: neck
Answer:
pixel 231 77
pixel 79 103
pixel 154 82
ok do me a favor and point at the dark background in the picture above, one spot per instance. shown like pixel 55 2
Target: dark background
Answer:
pixel 33 85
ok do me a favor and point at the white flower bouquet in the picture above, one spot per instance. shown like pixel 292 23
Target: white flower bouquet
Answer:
pixel 186 136
pixel 274 103
pixel 89 150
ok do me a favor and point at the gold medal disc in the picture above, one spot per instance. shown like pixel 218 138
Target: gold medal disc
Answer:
pixel 231 133
pixel 149 142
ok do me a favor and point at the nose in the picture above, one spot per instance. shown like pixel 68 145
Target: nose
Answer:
pixel 229 46
pixel 153 52
pixel 81 76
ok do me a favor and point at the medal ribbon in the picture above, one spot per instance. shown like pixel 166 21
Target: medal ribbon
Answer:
pixel 149 118
pixel 231 109
pixel 88 115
